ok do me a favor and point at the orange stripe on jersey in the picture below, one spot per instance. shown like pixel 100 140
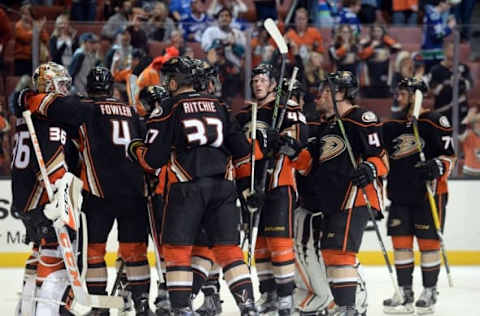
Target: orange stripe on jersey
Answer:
pixel 133 251
pixel 162 181
pixel 303 162
pixel 87 163
pixel 96 253
pixel 347 230
pixel 381 164
pixel 204 252
pixel 428 244
pixel 449 129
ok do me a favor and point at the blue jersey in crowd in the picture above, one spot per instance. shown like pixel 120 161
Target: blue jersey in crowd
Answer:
pixel 435 29
pixel 192 25
pixel 347 16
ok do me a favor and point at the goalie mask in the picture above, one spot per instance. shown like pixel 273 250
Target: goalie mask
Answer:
pixel 52 77
pixel 344 81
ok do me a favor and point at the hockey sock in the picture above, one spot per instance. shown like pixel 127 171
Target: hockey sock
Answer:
pixel 404 260
pixel 404 265
pixel 236 273
pixel 430 267
pixel 263 263
pixel 200 268
pixel 179 274
pixel 343 283
pixel 212 286
pixel 283 262
pixel 136 268
pixel 97 269
pixel 430 261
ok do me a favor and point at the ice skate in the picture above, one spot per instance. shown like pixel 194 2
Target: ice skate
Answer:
pixel 285 305
pixel 162 302
pixel 267 302
pixel 426 302
pixel 212 305
pixel 402 304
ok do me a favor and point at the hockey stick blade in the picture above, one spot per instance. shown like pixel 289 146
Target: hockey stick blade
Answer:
pixel 418 104
pixel 277 37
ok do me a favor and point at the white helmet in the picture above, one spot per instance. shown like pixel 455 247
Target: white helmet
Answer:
pixel 51 77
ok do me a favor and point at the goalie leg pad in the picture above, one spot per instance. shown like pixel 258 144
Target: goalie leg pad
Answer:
pixel 313 291
pixel 27 303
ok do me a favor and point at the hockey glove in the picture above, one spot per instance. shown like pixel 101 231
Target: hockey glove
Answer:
pixel 20 101
pixel 289 147
pixel 273 142
pixel 133 146
pixel 364 174
pixel 431 169
pixel 255 200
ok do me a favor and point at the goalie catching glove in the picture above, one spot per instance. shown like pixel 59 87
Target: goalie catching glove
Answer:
pixel 365 173
pixel 430 169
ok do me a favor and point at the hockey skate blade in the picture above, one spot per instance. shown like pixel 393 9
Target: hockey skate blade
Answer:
pixel 104 301
pixel 399 310
pixel 425 310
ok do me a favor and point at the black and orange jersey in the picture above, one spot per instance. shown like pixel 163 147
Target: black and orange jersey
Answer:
pixel 58 153
pixel 105 128
pixel 293 125
pixel 404 183
pixel 195 136
pixel 328 186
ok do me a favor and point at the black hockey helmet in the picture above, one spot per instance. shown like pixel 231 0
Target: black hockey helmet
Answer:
pixel 346 81
pixel 411 84
pixel 183 69
pixel 100 81
pixel 267 69
pixel 201 82
pixel 297 88
pixel 151 94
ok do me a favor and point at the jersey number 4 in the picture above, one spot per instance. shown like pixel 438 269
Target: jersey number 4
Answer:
pixel 197 131
pixel 121 133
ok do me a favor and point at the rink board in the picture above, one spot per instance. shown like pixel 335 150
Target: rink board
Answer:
pixel 462 234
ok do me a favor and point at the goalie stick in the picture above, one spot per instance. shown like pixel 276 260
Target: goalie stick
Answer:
pixel 369 207
pixel 68 218
pixel 433 206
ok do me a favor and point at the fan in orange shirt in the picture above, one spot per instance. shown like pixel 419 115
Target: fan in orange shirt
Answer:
pixel 470 141
pixel 304 37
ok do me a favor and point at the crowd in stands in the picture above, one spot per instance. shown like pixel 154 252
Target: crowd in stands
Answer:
pixel 370 38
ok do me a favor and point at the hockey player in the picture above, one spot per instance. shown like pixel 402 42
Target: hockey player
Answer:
pixel 194 135
pixel 105 127
pixel 335 188
pixel 45 275
pixel 274 254
pixel 410 213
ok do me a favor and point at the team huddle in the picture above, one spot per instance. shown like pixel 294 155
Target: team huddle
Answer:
pixel 203 183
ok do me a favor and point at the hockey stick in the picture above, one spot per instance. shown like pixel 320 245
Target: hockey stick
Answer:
pixel 253 127
pixel 433 206
pixel 77 283
pixel 365 197
pixel 131 87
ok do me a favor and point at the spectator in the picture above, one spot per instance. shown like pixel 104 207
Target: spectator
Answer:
pixel 23 40
pixel 262 48
pixel 84 59
pixel 375 50
pixel 63 42
pixel 348 15
pixel 325 13
pixel 314 75
pixel 305 38
pixel 117 21
pixel 344 50
pixel 196 22
pixel 470 142
pixel 138 37
pixel 121 51
pixel 235 6
pixel 441 85
pixel 179 9
pixel 176 40
pixel 406 65
pixel 83 10
pixel 224 32
pixel 368 12
pixel 5 36
pixel 404 12
pixel 160 26
pixel 463 15
pixel 435 30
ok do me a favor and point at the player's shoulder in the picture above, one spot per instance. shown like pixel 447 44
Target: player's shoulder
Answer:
pixel 436 120
pixel 361 116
